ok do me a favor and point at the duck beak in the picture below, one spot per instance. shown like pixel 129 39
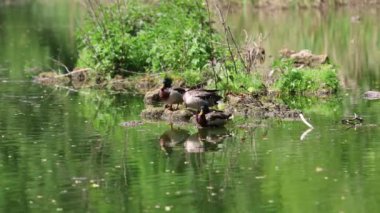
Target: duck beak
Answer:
pixel 201 112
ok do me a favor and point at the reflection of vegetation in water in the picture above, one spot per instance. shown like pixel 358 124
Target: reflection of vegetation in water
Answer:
pixel 38 130
pixel 34 33
pixel 104 109
pixel 322 106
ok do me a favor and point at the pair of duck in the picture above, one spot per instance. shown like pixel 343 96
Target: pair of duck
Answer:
pixel 198 99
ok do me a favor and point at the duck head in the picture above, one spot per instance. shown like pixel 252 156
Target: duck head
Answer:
pixel 164 92
pixel 205 109
pixel 201 116
pixel 167 83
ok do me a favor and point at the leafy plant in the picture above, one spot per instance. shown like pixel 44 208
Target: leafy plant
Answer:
pixel 322 79
pixel 141 38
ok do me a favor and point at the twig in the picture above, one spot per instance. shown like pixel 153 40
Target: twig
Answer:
pixel 305 121
pixel 73 72
pixel 226 36
pixel 228 33
pixel 61 64
pixel 95 17
pixel 237 49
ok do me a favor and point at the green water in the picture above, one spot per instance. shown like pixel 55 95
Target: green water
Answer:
pixel 66 151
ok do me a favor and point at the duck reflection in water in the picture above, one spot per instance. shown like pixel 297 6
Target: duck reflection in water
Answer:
pixel 207 139
pixel 214 135
pixel 172 138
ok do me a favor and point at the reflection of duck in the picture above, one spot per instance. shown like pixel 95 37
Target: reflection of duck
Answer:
pixel 195 98
pixel 195 144
pixel 172 138
pixel 208 118
pixel 171 95
pixel 355 19
pixel 213 135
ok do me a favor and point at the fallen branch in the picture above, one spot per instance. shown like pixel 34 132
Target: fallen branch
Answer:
pixel 60 64
pixel 72 72
pixel 305 121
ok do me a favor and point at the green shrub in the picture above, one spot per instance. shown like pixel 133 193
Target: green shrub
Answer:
pixel 242 83
pixel 170 35
pixel 107 41
pixel 322 79
pixel 236 82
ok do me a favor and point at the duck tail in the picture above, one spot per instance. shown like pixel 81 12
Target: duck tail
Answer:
pixel 215 98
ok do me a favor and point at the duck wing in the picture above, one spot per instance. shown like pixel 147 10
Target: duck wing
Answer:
pixel 179 89
pixel 205 94
pixel 217 115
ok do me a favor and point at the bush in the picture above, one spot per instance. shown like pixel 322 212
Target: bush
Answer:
pixel 143 38
pixel 322 79
pixel 240 81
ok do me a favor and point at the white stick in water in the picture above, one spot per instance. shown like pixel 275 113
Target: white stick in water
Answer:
pixel 304 134
pixel 305 121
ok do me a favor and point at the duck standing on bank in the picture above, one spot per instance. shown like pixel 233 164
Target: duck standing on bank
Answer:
pixel 208 118
pixel 171 95
pixel 196 98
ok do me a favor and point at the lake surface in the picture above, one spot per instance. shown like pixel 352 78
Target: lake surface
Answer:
pixel 66 151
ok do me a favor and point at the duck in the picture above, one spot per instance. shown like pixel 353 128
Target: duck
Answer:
pixel 195 98
pixel 214 118
pixel 171 95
